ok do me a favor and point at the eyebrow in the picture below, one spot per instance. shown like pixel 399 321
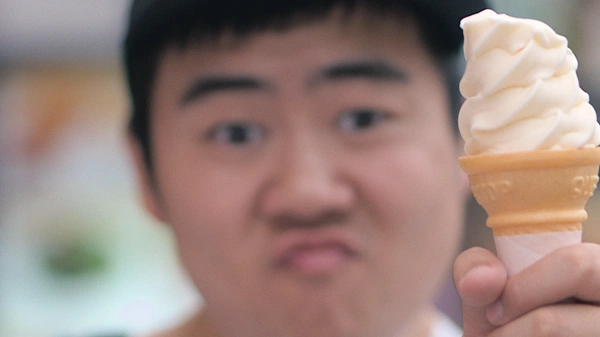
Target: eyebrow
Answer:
pixel 374 70
pixel 206 86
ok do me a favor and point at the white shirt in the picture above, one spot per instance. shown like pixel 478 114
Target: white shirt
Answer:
pixel 445 327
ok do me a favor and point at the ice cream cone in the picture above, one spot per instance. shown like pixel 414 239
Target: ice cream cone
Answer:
pixel 535 200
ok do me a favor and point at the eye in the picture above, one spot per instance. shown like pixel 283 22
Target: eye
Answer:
pixel 360 119
pixel 236 133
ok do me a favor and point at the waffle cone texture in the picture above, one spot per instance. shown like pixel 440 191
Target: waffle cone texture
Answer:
pixel 534 192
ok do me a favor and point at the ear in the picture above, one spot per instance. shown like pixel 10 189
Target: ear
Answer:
pixel 145 182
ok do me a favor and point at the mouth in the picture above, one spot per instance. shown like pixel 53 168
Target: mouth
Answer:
pixel 313 252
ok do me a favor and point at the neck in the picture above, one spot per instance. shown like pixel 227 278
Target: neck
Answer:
pixel 200 326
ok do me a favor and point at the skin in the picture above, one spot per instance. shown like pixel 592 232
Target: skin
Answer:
pixel 310 178
pixel 557 296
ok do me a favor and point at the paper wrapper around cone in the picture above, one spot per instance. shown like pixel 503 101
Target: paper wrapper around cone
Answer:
pixel 535 200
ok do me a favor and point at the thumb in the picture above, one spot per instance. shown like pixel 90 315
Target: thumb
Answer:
pixel 479 278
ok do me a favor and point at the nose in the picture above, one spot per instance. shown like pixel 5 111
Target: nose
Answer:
pixel 307 186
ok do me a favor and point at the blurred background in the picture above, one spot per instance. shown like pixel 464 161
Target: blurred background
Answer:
pixel 78 255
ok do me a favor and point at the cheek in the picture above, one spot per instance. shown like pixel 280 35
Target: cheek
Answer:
pixel 206 208
pixel 417 228
pixel 419 183
pixel 420 198
pixel 209 215
pixel 437 193
pixel 209 203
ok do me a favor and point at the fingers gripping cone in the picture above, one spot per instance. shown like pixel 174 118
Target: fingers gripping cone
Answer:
pixel 535 200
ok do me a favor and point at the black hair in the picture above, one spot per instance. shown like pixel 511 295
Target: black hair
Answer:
pixel 157 24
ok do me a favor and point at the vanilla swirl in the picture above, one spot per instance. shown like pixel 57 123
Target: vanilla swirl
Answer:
pixel 521 88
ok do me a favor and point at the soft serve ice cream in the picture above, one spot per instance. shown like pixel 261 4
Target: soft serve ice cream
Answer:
pixel 521 89
pixel 530 136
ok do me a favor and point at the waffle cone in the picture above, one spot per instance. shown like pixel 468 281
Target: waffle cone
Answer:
pixel 534 192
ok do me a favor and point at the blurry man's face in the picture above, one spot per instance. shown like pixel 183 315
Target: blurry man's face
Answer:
pixel 309 176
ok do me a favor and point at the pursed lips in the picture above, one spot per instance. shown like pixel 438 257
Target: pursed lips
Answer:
pixel 314 252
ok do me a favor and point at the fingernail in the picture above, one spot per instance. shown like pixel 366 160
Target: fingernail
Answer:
pixel 495 312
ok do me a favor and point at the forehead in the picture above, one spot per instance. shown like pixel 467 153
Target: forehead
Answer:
pixel 341 34
pixel 235 30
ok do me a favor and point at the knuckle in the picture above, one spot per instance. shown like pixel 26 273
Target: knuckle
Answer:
pixel 583 262
pixel 581 266
pixel 516 294
pixel 545 323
